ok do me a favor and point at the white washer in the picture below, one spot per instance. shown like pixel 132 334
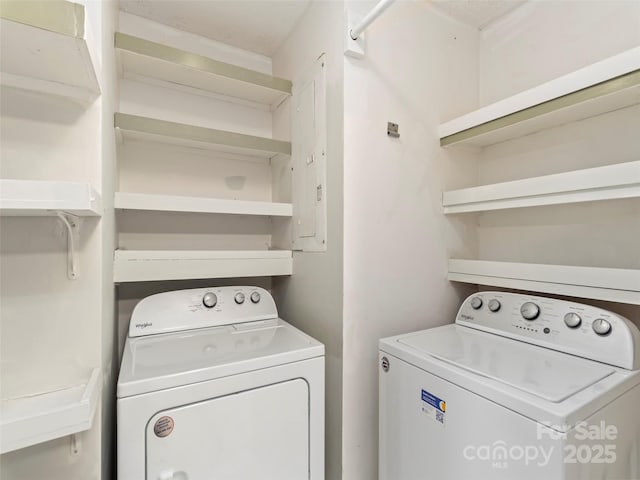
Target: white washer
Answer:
pixel 520 387
pixel 214 385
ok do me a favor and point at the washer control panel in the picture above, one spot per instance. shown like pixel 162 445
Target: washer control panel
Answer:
pixel 570 327
pixel 200 307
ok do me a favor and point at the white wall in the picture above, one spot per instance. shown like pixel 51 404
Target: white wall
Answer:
pixel 543 40
pixel 109 100
pixel 311 299
pixel 536 43
pixel 54 330
pixel 420 67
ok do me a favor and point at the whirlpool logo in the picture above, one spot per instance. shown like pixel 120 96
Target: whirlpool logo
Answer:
pixel 143 325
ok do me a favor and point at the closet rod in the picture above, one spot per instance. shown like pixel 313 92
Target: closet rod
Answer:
pixel 369 18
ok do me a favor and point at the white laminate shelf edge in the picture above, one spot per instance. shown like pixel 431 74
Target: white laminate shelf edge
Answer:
pixel 47 47
pixel 610 284
pixel 137 128
pixel 47 198
pixel 153 265
pixel 34 419
pixel 592 184
pixel 602 87
pixel 176 203
pixel 175 67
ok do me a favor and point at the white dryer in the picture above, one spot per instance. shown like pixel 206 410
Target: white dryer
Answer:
pixel 213 385
pixel 520 387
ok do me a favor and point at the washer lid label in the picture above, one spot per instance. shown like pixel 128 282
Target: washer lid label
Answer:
pixel 163 427
pixel 432 406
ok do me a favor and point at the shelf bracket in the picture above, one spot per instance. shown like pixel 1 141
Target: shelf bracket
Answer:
pixel 72 224
pixel 75 446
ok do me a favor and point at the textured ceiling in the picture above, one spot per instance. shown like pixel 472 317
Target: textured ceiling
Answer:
pixel 255 25
pixel 477 13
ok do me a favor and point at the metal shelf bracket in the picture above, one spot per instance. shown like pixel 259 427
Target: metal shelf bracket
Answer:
pixel 72 225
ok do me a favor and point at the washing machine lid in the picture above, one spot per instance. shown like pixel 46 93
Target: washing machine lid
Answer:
pixel 164 361
pixel 547 374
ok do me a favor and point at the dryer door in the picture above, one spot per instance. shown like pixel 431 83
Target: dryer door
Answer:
pixel 256 434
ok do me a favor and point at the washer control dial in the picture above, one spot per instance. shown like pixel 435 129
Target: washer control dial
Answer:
pixel 529 311
pixel 209 300
pixel 494 305
pixel 572 320
pixel 255 297
pixel 239 298
pixel 601 326
pixel 476 303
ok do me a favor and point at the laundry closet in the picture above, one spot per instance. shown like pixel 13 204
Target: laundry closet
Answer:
pixel 368 185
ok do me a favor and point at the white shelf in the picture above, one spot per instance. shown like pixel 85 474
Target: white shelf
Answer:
pixel 46 47
pixel 133 127
pixel 38 418
pixel 44 198
pixel 140 57
pixel 174 203
pixel 150 265
pixel 591 184
pixel 602 87
pixel 612 284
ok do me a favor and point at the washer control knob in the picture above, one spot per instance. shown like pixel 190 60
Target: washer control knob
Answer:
pixel 255 297
pixel 601 326
pixel 529 311
pixel 209 300
pixel 476 303
pixel 239 298
pixel 572 320
pixel 494 305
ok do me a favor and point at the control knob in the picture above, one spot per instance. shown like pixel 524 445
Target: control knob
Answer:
pixel 255 297
pixel 476 303
pixel 494 305
pixel 529 311
pixel 601 326
pixel 209 300
pixel 572 320
pixel 239 298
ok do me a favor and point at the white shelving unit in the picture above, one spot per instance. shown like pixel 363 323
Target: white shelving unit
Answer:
pixel 34 33
pixel 602 87
pixel 611 284
pixel 140 57
pixel 174 203
pixel 133 127
pixel 150 265
pixel 45 198
pixel 173 68
pixel 34 419
pixel 592 184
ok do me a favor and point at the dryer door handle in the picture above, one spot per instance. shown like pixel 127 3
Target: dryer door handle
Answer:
pixel 173 475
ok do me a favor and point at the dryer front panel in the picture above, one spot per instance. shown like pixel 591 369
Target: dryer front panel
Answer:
pixel 259 433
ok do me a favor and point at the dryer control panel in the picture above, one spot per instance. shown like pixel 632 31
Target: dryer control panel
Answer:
pixel 200 308
pixel 570 327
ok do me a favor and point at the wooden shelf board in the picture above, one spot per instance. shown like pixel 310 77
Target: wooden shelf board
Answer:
pixel 593 184
pixel 176 203
pixel 27 421
pixel 611 284
pixel 134 127
pixel 138 56
pixel 602 87
pixel 153 265
pixel 45 198
pixel 45 47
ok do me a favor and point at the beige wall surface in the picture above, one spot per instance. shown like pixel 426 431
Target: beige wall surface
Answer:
pixel 419 68
pixel 311 299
